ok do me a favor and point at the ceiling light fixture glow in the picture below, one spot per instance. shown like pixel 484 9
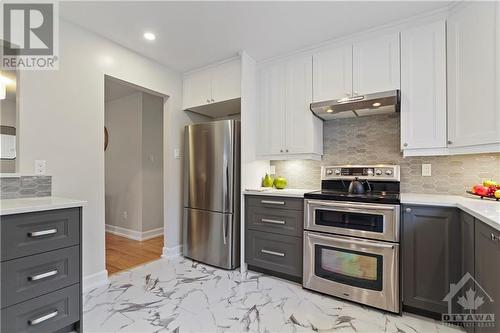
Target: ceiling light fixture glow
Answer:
pixel 377 104
pixel 149 36
pixel 329 111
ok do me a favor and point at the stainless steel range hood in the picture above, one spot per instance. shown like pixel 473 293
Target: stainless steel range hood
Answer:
pixel 358 106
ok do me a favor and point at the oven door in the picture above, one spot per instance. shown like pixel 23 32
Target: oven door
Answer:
pixel 360 270
pixel 374 221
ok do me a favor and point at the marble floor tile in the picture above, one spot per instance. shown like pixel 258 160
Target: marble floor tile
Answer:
pixel 179 295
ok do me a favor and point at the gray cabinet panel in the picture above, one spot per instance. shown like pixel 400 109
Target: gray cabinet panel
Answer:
pixel 32 233
pixel 431 256
pixel 487 267
pixel 274 202
pixel 274 252
pixel 43 314
pixel 32 276
pixel 282 221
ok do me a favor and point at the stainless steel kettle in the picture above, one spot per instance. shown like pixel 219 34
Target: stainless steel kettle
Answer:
pixel 356 186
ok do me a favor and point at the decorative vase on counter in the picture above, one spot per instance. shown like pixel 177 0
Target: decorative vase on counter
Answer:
pixel 267 181
pixel 280 183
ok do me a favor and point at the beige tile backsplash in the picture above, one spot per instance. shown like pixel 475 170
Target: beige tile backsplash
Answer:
pixel 375 139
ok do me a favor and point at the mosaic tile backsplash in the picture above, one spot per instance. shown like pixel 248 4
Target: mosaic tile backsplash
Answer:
pixel 375 139
pixel 25 187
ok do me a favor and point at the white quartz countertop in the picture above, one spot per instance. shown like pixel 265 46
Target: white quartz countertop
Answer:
pixel 27 205
pixel 288 192
pixel 485 210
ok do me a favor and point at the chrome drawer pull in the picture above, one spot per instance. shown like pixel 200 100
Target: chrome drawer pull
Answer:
pixel 41 319
pixel 269 202
pixel 43 275
pixel 278 254
pixel 272 221
pixel 42 233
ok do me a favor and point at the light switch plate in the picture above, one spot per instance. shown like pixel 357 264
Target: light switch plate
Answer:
pixel 177 154
pixel 40 167
pixel 426 170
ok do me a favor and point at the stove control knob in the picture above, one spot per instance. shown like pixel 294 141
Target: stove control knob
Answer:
pixel 369 172
pixel 378 172
pixel 388 172
pixel 337 172
pixel 329 171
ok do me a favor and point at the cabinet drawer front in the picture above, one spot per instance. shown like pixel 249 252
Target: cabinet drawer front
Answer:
pixel 275 252
pixel 275 202
pixel 47 313
pixel 281 221
pixel 32 233
pixel 32 276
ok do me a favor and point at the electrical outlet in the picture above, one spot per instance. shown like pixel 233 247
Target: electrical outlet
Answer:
pixel 426 170
pixel 40 167
pixel 272 170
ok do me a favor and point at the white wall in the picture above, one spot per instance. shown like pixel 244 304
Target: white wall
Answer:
pixel 123 162
pixel 61 120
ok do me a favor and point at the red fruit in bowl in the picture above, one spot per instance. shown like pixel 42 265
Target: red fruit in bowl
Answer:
pixel 481 190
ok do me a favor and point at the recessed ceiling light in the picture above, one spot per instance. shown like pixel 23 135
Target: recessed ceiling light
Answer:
pixel 377 104
pixel 149 36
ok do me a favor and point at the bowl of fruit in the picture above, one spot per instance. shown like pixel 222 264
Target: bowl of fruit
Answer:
pixel 489 189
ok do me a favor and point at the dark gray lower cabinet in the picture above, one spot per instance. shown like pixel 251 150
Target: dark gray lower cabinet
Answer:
pixel 430 257
pixel 487 270
pixel 41 272
pixel 273 235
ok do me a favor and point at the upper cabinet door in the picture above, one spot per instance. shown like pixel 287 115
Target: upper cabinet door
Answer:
pixel 423 87
pixel 473 109
pixel 376 65
pixel 226 81
pixel 271 130
pixel 332 74
pixel 197 89
pixel 302 127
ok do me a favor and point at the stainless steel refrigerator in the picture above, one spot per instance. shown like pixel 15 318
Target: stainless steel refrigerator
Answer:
pixel 211 225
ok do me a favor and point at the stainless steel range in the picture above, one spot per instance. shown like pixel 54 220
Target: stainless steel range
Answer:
pixel 351 235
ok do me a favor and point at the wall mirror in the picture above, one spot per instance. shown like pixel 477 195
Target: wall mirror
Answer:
pixel 8 120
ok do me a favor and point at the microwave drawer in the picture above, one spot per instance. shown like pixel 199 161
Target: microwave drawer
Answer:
pixel 281 221
pixel 278 253
pixel 48 313
pixel 270 201
pixel 32 276
pixel 33 233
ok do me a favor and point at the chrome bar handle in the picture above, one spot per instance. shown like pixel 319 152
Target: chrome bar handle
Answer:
pixel 270 202
pixel 355 242
pixel 43 318
pixel 273 253
pixel 43 275
pixel 272 221
pixel 42 233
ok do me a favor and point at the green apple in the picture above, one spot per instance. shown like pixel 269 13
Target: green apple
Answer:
pixel 267 181
pixel 280 183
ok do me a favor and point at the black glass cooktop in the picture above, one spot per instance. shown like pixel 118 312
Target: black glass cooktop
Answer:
pixel 376 192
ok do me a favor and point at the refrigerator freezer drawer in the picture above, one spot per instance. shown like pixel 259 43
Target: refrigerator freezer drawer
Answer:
pixel 212 238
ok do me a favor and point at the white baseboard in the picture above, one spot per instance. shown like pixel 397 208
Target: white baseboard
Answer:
pixel 134 234
pixel 172 252
pixel 95 280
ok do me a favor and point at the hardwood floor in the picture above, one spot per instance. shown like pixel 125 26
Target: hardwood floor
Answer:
pixel 123 253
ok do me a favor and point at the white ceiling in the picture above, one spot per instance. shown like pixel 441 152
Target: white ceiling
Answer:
pixel 194 34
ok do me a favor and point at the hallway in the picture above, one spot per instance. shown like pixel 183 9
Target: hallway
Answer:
pixel 123 253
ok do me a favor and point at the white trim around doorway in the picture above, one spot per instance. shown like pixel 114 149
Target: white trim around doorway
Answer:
pixel 134 234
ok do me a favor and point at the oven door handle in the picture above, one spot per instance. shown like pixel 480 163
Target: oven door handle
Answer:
pixel 352 241
pixel 361 206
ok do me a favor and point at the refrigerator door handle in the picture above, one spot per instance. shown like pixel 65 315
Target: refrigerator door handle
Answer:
pixel 224 231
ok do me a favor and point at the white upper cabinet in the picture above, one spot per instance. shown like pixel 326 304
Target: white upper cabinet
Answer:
pixel 215 84
pixel 423 87
pixel 287 127
pixel 376 64
pixel 332 74
pixel 473 102
pixel 226 81
pixel 271 128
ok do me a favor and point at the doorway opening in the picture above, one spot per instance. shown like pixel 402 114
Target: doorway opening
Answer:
pixel 133 175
